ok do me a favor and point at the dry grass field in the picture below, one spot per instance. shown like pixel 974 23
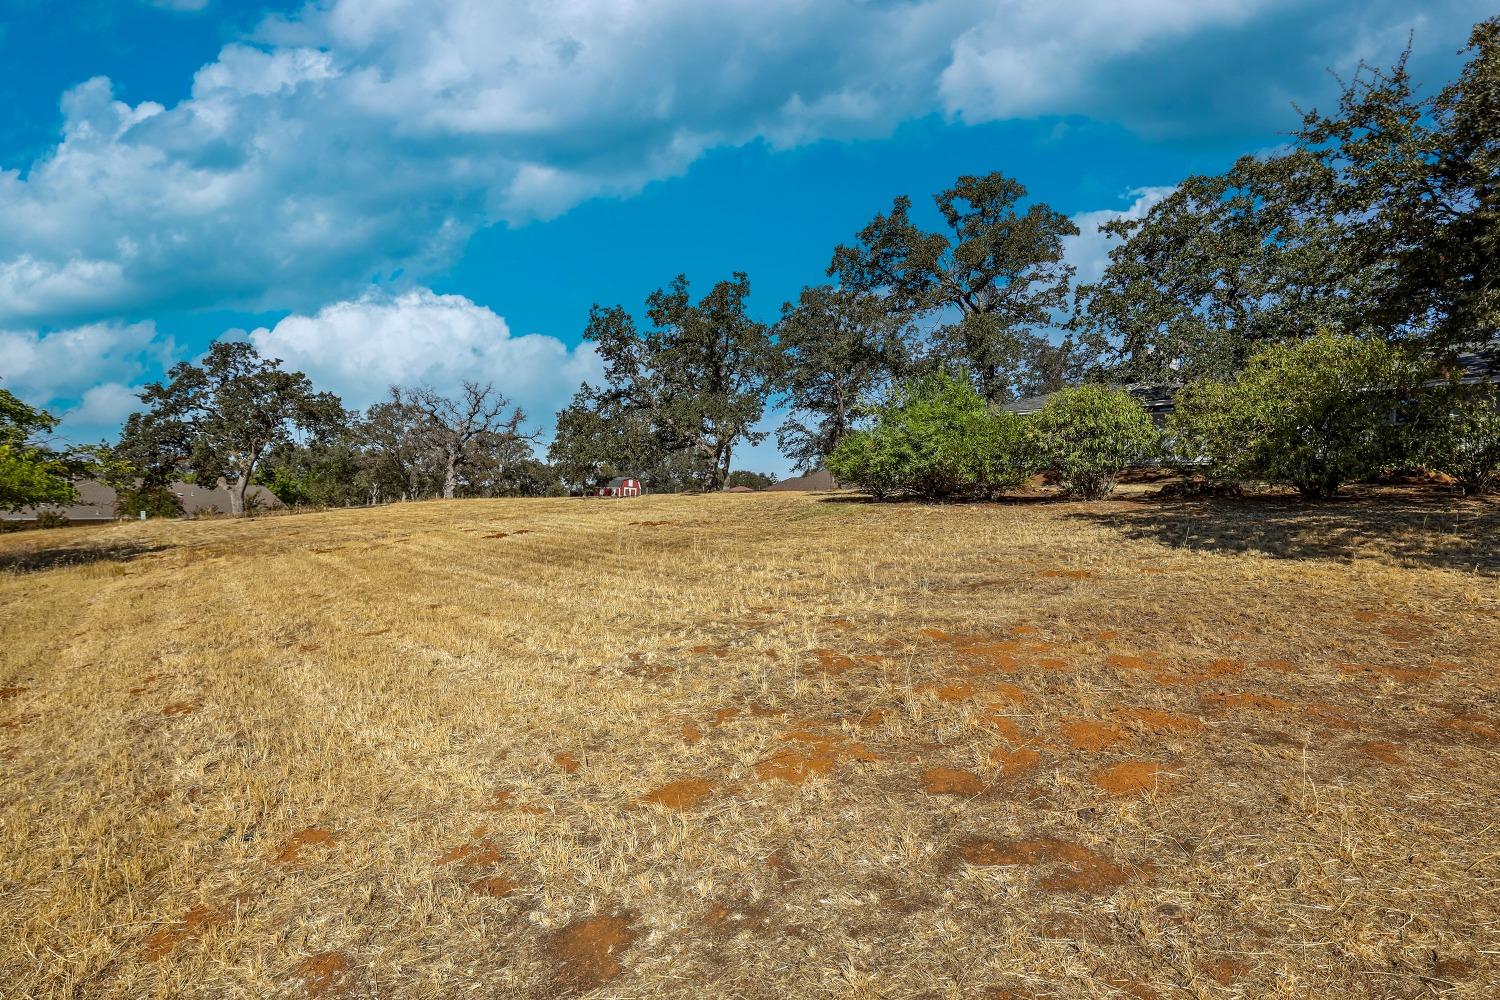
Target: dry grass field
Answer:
pixel 756 746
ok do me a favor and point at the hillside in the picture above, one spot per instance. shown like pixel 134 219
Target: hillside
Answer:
pixel 767 745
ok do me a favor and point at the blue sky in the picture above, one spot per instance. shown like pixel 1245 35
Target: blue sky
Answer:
pixel 430 190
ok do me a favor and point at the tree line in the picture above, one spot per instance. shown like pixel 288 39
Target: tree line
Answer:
pixel 1372 235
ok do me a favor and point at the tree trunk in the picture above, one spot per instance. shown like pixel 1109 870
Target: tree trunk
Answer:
pixel 450 475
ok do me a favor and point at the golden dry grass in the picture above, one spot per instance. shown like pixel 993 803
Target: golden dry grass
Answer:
pixel 760 746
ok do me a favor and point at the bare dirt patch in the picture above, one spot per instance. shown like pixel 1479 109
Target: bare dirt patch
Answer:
pixel 810 754
pixel 683 794
pixel 951 781
pixel 587 952
pixel 325 974
pixel 188 927
pixel 1087 734
pixel 1070 867
pixel 1131 777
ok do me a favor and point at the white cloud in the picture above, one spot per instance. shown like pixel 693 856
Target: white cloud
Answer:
pixel 359 138
pixel 44 368
pixel 1089 250
pixel 359 348
pixel 102 406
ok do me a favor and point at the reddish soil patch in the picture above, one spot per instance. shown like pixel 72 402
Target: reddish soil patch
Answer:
pixel 1070 574
pixel 1007 728
pixel 1382 751
pixel 1330 717
pixel 1122 661
pixel 1475 725
pixel 682 794
pixel 191 925
pixel 180 708
pixel 497 886
pixel 1245 700
pixel 291 851
pixel 720 650
pixel 324 974
pixel 1083 734
pixel 724 715
pixel 873 718
pixel 1008 694
pixel 951 692
pixel 815 755
pixel 6 694
pixel 587 952
pixel 842 624
pixel 1157 721
pixel 1399 673
pixel 480 854
pixel 567 762
pixel 1225 971
pixel 1053 663
pixel 1073 867
pixel 1130 777
pixel 691 734
pixel 1219 668
pixel 834 663
pixel 1014 763
pixel 979 653
pixel 950 781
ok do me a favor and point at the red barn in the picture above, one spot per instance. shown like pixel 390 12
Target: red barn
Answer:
pixel 620 487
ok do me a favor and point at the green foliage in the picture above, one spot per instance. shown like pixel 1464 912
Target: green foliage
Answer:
pixel 221 418
pixel 1088 435
pixel 30 472
pixel 153 501
pixel 1001 271
pixel 754 480
pixel 935 438
pixel 52 519
pixel 1312 414
pixel 839 347
pixel 679 398
pixel 1462 436
pixel 1379 219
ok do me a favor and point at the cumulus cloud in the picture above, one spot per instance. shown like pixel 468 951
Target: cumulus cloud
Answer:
pixel 360 347
pixel 358 139
pixel 44 368
pixel 1089 250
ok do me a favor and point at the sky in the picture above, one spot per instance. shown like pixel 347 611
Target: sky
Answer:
pixel 427 191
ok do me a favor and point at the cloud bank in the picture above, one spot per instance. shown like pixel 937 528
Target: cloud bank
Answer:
pixel 366 140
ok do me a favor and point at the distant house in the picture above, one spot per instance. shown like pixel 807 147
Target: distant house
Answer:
pixel 96 502
pixel 818 479
pixel 620 486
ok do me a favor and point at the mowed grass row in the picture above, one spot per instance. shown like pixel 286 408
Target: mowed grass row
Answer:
pixel 755 745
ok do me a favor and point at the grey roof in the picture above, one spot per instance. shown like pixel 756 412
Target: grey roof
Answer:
pixel 96 501
pixel 819 479
pixel 621 480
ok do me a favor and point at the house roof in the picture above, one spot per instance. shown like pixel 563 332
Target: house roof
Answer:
pixel 820 479
pixel 622 480
pixel 96 501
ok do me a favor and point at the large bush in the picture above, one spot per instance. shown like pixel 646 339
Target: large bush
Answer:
pixel 1090 434
pixel 935 438
pixel 1311 414
pixel 1462 436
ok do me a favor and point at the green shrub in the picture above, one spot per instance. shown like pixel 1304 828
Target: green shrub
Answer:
pixel 934 438
pixel 155 501
pixel 1089 435
pixel 1462 436
pixel 1312 414
pixel 52 519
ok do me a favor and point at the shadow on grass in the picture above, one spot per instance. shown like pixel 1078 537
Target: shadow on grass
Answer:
pixel 1421 529
pixel 40 559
